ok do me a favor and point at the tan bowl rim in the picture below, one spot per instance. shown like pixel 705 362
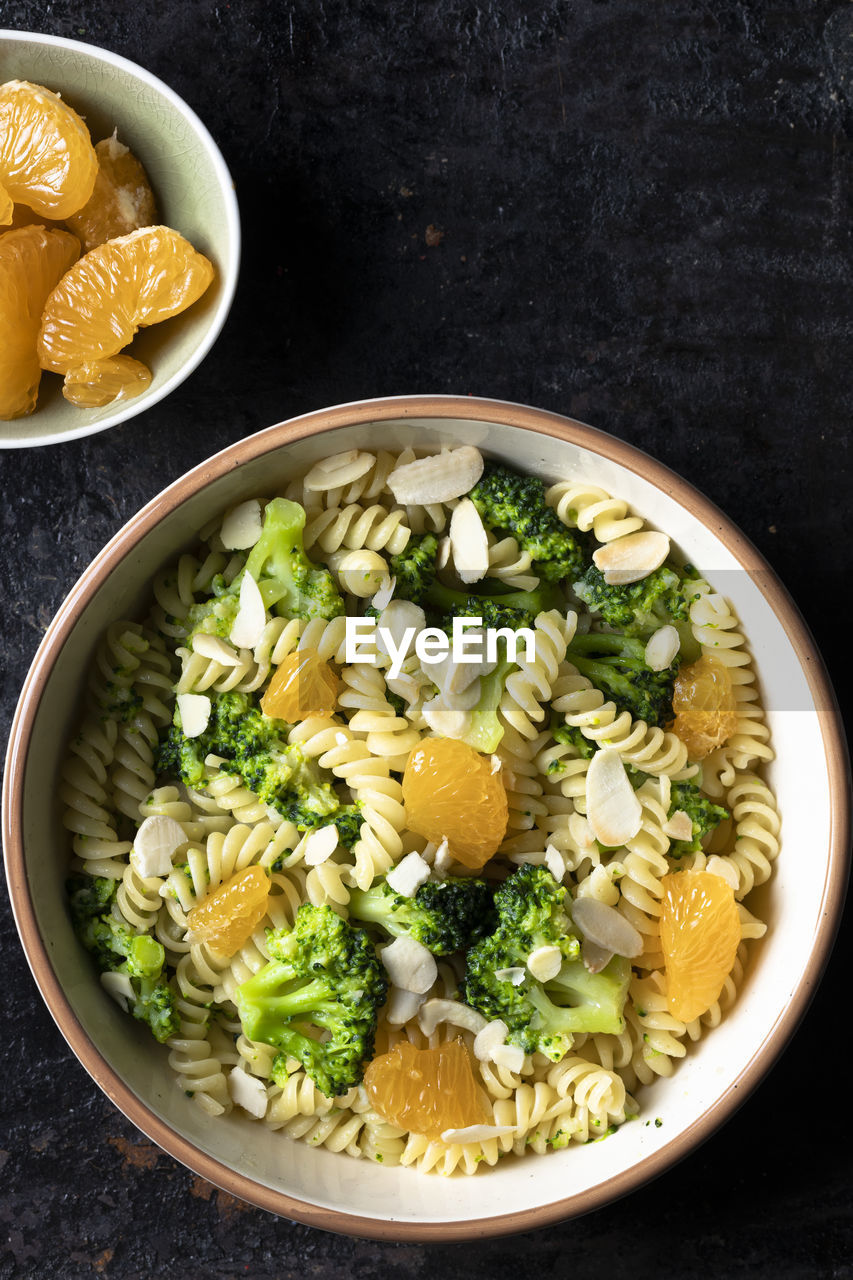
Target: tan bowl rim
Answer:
pixel 437 407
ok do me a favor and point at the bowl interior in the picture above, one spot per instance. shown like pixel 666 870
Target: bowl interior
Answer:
pixel 707 1084
pixel 194 195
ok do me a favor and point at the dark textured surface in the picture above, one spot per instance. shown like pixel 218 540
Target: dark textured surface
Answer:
pixel 640 217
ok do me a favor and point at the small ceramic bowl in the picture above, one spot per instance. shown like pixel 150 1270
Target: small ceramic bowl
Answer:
pixel 195 195
pixel 801 903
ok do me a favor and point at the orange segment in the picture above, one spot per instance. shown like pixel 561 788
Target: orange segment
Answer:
pixel 451 793
pixel 699 933
pixel 135 280
pixel 227 917
pixel 47 160
pixel 426 1090
pixel 122 200
pixel 705 706
pixel 100 382
pixel 303 685
pixel 32 259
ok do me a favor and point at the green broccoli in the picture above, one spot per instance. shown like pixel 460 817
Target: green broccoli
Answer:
pixel 703 813
pixel 511 609
pixel 444 915
pixel 287 579
pixel 318 999
pixel 571 736
pixel 516 503
pixel 616 665
pixel 640 608
pixel 485 730
pixel 414 568
pixel 542 1016
pixel 117 949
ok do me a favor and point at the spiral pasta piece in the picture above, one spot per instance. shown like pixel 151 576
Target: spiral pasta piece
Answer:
pixel 586 507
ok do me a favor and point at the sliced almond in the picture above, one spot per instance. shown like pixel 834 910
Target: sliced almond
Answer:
pixel 248 1092
pixel 215 648
pixel 432 1012
pixel 320 845
pixel 338 471
pixel 445 721
pixel 556 863
pixel 485 1041
pixel 409 965
pixel 385 593
pixel 119 986
pixel 662 648
pixel 594 957
pixel 443 860
pixel 605 927
pixel 408 875
pixel 195 713
pixel 515 975
pixel 247 628
pixel 510 1056
pixel 242 526
pixel 442 555
pixel 613 811
pixel 724 868
pixel 544 963
pixel 633 557
pixel 468 542
pixel 154 844
pixel 679 826
pixel 402 1006
pixel 396 618
pixel 475 1133
pixel 438 478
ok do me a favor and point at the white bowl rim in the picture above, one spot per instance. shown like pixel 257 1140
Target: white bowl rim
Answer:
pixel 327 420
pixel 130 408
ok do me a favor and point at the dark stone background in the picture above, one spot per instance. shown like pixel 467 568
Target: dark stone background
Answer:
pixel 644 218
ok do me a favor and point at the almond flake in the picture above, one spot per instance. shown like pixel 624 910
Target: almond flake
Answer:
pixel 679 826
pixel 248 626
pixel 556 863
pixel 408 875
pixel 338 471
pixel 443 860
pixel 438 478
pixel 633 557
pixel 476 1133
pixel 453 1011
pixel 544 963
pixel 248 1092
pixel 510 1056
pixel 487 1040
pixel 402 1006
pixel 595 958
pixel 396 618
pixel 194 709
pixel 154 844
pixel 497 764
pixel 385 592
pixel 442 555
pixel 409 965
pixel 215 648
pixel 320 845
pixel 605 927
pixel 446 721
pixel 242 526
pixel 613 811
pixel 515 975
pixel 722 867
pixel 119 986
pixel 468 542
pixel 662 648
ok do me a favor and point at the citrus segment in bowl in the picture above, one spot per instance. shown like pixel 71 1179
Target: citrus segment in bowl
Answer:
pixel 100 382
pixel 121 201
pixel 426 1090
pixel 452 793
pixel 130 282
pixel 700 933
pixel 705 706
pixel 32 260
pixel 47 160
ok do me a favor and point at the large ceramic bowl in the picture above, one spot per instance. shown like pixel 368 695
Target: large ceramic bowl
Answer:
pixel 801 903
pixel 195 195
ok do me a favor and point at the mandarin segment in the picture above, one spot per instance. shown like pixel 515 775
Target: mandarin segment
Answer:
pixel 47 160
pixel 705 706
pixel 700 934
pixel 132 281
pixel 32 260
pixel 303 685
pixel 226 918
pixel 100 382
pixel 426 1090
pixel 122 200
pixel 452 793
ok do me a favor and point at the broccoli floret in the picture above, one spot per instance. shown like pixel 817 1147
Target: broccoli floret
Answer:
pixel 288 581
pixel 444 915
pixel 516 503
pixel 485 730
pixel 639 608
pixel 318 999
pixel 571 735
pixel 703 813
pixel 617 666
pixel 348 819
pixel 155 1005
pixel 511 609
pixel 414 568
pixel 542 1016
pixel 88 897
